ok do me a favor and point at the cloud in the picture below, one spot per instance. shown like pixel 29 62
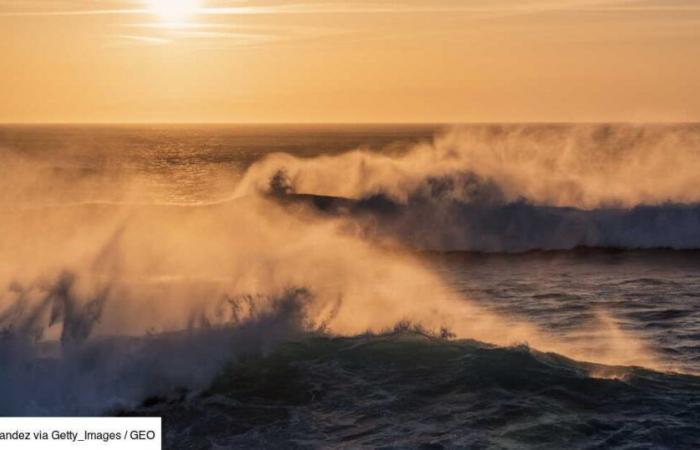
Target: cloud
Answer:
pixel 82 8
pixel 222 12
pixel 150 40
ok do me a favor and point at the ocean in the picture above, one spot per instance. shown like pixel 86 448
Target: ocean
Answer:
pixel 326 286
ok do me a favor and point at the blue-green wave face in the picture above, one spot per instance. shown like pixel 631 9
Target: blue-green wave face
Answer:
pixel 408 390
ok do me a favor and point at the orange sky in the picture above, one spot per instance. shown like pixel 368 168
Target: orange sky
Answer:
pixel 345 61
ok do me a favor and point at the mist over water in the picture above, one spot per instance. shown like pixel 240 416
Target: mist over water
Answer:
pixel 582 166
pixel 142 262
pixel 516 188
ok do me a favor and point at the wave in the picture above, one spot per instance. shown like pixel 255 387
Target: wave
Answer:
pixel 411 390
pixel 104 303
pixel 82 374
pixel 580 166
pixel 438 224
pixel 509 188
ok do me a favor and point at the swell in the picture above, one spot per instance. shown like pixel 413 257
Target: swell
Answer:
pixel 412 390
pixel 438 224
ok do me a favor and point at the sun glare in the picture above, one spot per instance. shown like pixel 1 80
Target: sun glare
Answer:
pixel 174 11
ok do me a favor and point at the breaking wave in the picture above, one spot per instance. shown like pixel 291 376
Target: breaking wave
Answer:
pixel 407 389
pixel 510 189
pixel 105 303
pixel 428 221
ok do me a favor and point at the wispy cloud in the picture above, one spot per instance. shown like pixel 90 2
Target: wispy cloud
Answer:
pixel 210 21
pixel 67 8
pixel 140 39
pixel 30 8
pixel 231 34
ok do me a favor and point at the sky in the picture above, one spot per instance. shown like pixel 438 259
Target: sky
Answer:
pixel 436 61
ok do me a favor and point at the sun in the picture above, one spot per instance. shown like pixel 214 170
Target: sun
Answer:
pixel 174 11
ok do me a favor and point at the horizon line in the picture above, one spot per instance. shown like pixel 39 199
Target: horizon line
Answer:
pixel 348 123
